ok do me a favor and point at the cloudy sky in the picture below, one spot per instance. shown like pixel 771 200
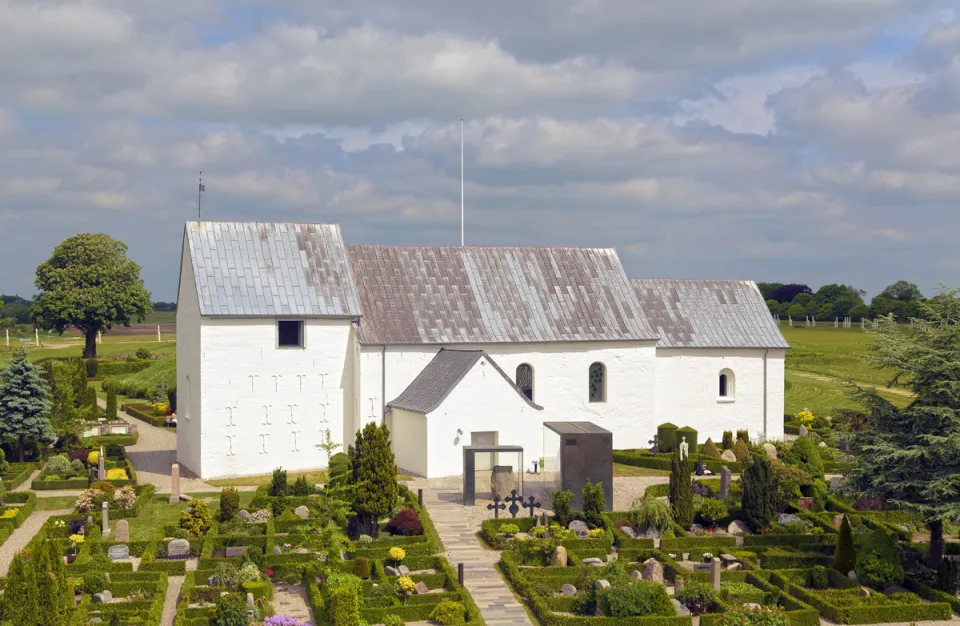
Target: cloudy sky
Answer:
pixel 812 141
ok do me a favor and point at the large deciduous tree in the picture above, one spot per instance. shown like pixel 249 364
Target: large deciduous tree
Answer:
pixel 373 477
pixel 89 284
pixel 24 403
pixel 911 455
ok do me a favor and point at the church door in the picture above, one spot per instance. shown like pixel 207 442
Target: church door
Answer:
pixel 485 460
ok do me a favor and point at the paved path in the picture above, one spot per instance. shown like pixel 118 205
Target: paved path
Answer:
pixel 292 600
pixel 22 536
pixel 174 584
pixel 25 485
pixel 154 453
pixel 458 528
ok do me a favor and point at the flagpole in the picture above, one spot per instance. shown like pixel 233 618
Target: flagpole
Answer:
pixel 461 182
pixel 199 192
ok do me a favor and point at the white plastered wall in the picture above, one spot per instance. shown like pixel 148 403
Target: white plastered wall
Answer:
pixel 189 444
pixel 408 437
pixel 265 406
pixel 688 391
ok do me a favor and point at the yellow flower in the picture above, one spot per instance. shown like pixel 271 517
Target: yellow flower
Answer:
pixel 405 584
pixel 397 553
pixel 9 513
pixel 77 538
pixel 805 417
pixel 117 474
pixel 160 407
pixel 594 533
pixel 93 458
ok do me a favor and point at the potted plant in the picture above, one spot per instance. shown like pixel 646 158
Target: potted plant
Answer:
pixel 75 540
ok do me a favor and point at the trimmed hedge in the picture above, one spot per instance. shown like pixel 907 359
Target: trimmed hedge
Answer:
pixel 116 368
pixel 644 458
pixel 144 413
pixel 106 440
pixel 17 474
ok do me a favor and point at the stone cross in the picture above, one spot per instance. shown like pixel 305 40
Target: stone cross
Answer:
pixel 684 448
pixel 103 472
pixel 105 528
pixel 532 504
pixel 174 483
pixel 715 573
pixel 724 483
pixel 496 507
pixel 513 499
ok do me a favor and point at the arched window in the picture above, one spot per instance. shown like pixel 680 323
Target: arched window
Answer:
pixel 726 385
pixel 525 380
pixel 598 383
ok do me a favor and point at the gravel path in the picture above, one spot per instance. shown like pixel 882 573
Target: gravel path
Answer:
pixel 25 485
pixel 292 600
pixel 22 536
pixel 174 584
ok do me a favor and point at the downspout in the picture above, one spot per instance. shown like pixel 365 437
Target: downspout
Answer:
pixel 383 384
pixel 765 353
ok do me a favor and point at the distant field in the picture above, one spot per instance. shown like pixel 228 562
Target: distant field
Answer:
pixel 161 317
pixel 67 346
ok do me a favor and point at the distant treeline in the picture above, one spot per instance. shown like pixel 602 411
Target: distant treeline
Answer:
pixel 15 311
pixel 902 299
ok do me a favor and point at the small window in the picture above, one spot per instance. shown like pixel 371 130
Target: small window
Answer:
pixel 290 334
pixel 727 386
pixel 525 380
pixel 598 383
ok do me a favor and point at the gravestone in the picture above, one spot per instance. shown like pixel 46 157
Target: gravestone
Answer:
pixel 738 527
pixel 105 529
pixel 602 584
pixel 501 481
pixel 404 570
pixel 579 527
pixel 123 531
pixel 244 516
pixel 302 512
pixel 836 482
pixel 728 456
pixel 806 504
pixel 235 551
pixel 629 531
pixel 653 570
pixel 594 561
pixel 390 570
pixel 175 483
pixel 178 548
pixel 786 518
pixel 101 466
pixel 725 478
pixel 568 590
pixel 250 600
pixel 636 575
pixel 728 559
pixel 421 588
pixel 559 557
pixel 103 597
pixel 803 431
pixel 277 549
pixel 118 552
pixel 837 520
pixel 770 450
pixel 715 574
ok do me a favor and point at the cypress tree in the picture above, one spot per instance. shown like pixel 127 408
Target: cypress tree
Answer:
pixel 111 413
pixel 727 440
pixel 79 381
pixel 759 500
pixel 804 454
pixel 24 403
pixel 373 477
pixel 48 591
pixel 60 572
pixel 20 597
pixel 681 490
pixel 710 450
pixel 845 556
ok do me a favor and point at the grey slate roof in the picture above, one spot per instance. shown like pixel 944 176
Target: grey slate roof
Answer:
pixel 271 269
pixel 441 376
pixel 449 295
pixel 708 313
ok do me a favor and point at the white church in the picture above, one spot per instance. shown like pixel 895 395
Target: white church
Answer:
pixel 284 332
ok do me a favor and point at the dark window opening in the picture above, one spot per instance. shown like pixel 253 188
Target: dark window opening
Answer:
pixel 598 383
pixel 723 385
pixel 525 380
pixel 290 334
pixel 571 442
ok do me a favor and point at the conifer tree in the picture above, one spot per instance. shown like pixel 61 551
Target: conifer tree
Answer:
pixel 804 454
pixel 373 477
pixel 845 556
pixel 758 502
pixel 79 381
pixel 111 412
pixel 48 591
pixel 20 597
pixel 24 403
pixel 59 572
pixel 911 455
pixel 681 490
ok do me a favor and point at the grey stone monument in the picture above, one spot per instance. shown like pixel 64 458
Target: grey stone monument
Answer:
pixel 105 527
pixel 102 475
pixel 684 448
pixel 715 573
pixel 725 477
pixel 175 483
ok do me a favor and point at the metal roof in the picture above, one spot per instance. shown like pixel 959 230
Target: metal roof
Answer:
pixel 448 295
pixel 441 376
pixel 271 269
pixel 575 428
pixel 708 313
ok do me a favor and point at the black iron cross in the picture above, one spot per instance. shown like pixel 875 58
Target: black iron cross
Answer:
pixel 531 504
pixel 513 498
pixel 496 507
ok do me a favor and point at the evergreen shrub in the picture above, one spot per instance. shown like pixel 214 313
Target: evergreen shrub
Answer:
pixel 727 440
pixel 666 435
pixel 879 560
pixel 710 450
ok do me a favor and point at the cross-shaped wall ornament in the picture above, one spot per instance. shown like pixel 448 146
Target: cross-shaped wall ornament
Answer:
pixel 230 451
pixel 230 421
pixel 300 378
pixel 266 415
pixel 496 507
pixel 296 448
pixel 323 381
pixel 325 407
pixel 291 407
pixel 513 498
pixel 253 378
pixel 373 410
pixel 263 443
pixel 531 504
pixel 276 381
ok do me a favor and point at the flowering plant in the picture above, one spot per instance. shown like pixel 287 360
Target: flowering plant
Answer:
pixel 93 458
pixel 76 539
pixel 283 620
pixel 405 584
pixel 117 474
pixel 160 407
pixel 397 554
pixel 268 572
pixel 126 497
pixel 9 513
pixel 805 416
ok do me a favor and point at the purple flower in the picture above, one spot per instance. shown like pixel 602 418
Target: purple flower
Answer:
pixel 283 620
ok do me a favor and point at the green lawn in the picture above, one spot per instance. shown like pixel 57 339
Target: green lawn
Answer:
pixel 823 396
pixel 159 512
pixel 57 503
pixel 161 317
pixel 73 346
pixel 628 470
